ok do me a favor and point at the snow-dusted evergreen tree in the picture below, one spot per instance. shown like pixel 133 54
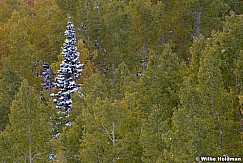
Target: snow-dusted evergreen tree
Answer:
pixel 69 71
pixel 47 74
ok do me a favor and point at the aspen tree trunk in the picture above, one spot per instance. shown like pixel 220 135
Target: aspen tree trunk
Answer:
pixel 241 119
pixel 198 18
pixel 220 131
pixel 30 142
pixel 113 139
pixel 112 73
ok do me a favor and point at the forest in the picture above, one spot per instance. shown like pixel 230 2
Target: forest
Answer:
pixel 122 81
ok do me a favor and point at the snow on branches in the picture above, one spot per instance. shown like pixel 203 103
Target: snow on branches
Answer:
pixel 47 74
pixel 70 70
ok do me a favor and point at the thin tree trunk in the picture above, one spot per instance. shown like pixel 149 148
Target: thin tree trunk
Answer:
pixel 220 132
pixel 30 142
pixel 50 82
pixel 198 18
pixel 241 120
pixel 113 139
pixel 113 73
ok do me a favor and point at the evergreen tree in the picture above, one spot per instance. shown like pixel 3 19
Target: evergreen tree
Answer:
pixel 47 75
pixel 68 145
pixel 70 70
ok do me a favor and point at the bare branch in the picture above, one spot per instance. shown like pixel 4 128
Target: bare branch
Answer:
pixel 107 132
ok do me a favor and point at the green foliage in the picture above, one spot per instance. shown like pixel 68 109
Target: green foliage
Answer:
pixel 238 72
pixel 117 29
pixel 191 18
pixel 27 136
pixel 69 6
pixel 229 44
pixel 8 7
pixel 196 54
pixel 162 80
pixel 9 85
pixel 201 124
pixel 69 142
pixel 235 5
pixel 159 97
pixel 68 145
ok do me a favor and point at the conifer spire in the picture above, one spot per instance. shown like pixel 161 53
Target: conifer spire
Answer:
pixel 69 71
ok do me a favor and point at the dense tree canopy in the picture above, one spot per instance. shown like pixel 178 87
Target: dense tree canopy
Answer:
pixel 161 80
